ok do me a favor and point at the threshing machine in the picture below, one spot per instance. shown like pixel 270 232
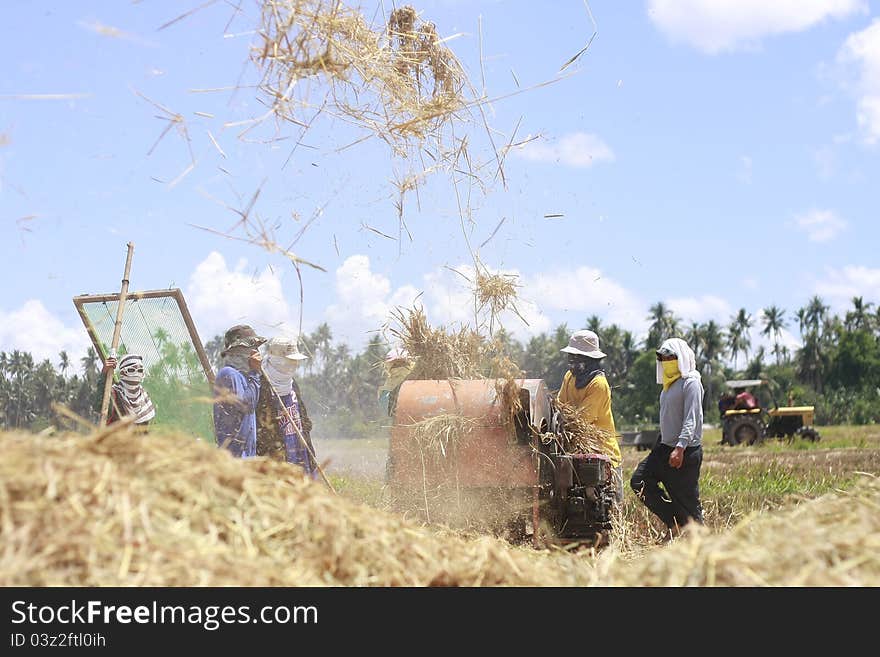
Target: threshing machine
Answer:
pixel 510 475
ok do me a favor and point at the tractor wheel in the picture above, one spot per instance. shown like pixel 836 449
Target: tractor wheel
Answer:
pixel 745 430
pixel 808 433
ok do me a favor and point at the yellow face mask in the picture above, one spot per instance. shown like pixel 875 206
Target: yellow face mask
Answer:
pixel 671 372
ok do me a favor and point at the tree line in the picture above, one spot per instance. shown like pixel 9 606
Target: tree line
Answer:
pixel 836 369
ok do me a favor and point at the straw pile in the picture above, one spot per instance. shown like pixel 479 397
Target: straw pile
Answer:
pixel 462 353
pixel 438 353
pixel 113 509
pixel 833 540
pixel 164 510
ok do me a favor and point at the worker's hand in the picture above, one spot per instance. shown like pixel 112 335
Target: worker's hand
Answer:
pixel 255 360
pixel 676 458
pixel 109 365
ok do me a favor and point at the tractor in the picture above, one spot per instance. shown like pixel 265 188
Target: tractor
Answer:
pixel 750 424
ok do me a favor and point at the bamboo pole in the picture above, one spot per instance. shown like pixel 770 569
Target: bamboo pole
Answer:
pixel 117 328
pixel 297 431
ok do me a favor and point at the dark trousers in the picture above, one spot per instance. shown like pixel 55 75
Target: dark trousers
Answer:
pixel 681 504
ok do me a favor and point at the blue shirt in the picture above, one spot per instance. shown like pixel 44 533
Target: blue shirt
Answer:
pixel 235 418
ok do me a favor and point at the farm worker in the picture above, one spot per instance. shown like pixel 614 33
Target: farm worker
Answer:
pixel 746 401
pixel 676 458
pixel 127 396
pixel 586 388
pixel 277 437
pixel 237 391
pixel 398 366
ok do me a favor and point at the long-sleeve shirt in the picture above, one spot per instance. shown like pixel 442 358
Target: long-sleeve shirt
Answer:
pixel 593 402
pixel 235 420
pixel 681 413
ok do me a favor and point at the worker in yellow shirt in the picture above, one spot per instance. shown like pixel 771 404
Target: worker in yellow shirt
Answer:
pixel 585 387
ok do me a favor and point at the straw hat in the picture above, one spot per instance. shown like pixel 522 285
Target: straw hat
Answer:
pixel 585 343
pixel 285 348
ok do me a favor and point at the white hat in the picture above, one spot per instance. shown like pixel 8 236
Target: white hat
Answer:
pixel 397 354
pixel 285 348
pixel 585 343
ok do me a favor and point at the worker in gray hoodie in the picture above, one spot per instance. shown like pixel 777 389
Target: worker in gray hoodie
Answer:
pixel 677 456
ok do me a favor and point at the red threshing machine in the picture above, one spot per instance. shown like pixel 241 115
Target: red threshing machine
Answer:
pixel 510 476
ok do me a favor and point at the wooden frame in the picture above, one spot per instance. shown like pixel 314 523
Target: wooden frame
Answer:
pixel 171 293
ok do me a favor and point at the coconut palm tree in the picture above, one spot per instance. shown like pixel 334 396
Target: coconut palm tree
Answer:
pixel 664 324
pixel 594 324
pixel 738 339
pixel 774 322
pixel 816 313
pixel 859 318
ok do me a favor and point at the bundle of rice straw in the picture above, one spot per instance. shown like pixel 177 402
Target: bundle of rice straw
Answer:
pixel 497 292
pixel 462 353
pixel 398 80
pixel 579 436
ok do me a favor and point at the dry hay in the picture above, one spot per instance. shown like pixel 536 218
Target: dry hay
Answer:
pixel 497 293
pixel 439 436
pixel 833 540
pixel 462 353
pixel 454 353
pixel 113 509
pixel 398 80
pixel 579 436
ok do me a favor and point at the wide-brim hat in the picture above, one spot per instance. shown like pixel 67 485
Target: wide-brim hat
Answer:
pixel 241 335
pixel 285 348
pixel 585 343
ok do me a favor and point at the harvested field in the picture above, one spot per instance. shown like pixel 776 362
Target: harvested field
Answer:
pixel 116 509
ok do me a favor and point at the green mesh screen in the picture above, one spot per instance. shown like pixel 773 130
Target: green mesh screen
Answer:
pixel 154 326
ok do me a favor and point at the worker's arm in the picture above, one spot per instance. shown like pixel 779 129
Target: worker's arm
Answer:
pixel 236 396
pixel 693 408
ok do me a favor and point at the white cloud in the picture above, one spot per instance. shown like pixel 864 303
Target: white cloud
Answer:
pixel 32 328
pixel 863 50
pixel 841 285
pixel 701 309
pixel 577 149
pixel 586 291
pixel 364 300
pixel 219 297
pixel 713 26
pixel 820 225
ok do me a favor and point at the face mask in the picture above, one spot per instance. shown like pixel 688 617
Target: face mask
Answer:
pixel 280 372
pixel 132 374
pixel 671 372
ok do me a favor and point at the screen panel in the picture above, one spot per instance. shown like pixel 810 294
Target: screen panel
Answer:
pixel 157 325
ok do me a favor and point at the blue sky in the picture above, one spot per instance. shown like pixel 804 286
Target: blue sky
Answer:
pixel 710 154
